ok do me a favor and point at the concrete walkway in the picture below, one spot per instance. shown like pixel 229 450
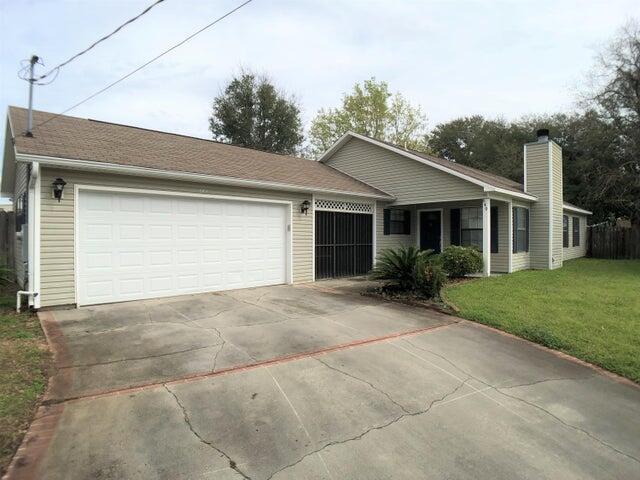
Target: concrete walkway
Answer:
pixel 318 382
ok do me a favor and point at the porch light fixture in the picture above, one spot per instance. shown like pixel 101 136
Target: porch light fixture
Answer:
pixel 304 207
pixel 57 187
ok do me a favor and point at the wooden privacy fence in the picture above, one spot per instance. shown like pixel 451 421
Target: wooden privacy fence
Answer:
pixel 7 236
pixel 610 241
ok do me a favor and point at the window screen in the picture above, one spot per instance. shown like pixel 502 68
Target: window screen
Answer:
pixel 576 231
pixel 520 229
pixel 471 227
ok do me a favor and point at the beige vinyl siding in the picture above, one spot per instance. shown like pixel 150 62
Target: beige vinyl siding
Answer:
pixel 20 258
pixel 393 241
pixel 57 225
pixel 580 250
pixel 556 170
pixel 500 260
pixel 537 168
pixel 522 260
pixel 544 179
pixel 408 180
pixel 14 184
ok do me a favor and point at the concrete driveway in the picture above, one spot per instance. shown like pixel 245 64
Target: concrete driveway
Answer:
pixel 317 382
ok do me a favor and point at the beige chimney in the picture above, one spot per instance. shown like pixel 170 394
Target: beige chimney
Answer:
pixel 543 178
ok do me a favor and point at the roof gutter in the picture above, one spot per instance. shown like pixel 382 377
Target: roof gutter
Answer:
pixel 576 209
pixel 88 165
pixel 512 193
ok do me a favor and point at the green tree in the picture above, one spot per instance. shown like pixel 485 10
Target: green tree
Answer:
pixel 490 145
pixel 615 98
pixel 372 110
pixel 251 112
pixel 595 174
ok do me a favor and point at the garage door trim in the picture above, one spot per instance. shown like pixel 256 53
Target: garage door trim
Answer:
pixel 76 220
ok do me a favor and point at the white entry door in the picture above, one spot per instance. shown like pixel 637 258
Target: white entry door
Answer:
pixel 133 245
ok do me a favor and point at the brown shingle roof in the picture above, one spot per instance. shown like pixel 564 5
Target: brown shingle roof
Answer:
pixel 92 140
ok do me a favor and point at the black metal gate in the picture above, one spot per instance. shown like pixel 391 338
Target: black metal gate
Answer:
pixel 344 243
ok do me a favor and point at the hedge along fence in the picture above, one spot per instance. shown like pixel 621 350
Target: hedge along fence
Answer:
pixel 611 241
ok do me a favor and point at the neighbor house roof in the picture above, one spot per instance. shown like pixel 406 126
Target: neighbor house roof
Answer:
pixel 93 142
pixel 472 174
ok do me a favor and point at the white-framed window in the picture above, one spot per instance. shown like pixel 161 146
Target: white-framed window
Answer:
pixel 576 231
pixel 471 227
pixel 520 229
pixel 397 222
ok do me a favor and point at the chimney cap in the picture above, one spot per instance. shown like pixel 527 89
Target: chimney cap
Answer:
pixel 542 134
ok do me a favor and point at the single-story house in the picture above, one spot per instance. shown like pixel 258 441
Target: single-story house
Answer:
pixel 108 212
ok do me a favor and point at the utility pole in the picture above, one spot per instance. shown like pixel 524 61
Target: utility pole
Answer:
pixel 34 59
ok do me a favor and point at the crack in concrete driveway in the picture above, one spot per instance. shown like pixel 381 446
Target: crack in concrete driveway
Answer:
pixel 500 390
pixel 367 385
pixel 361 435
pixel 232 463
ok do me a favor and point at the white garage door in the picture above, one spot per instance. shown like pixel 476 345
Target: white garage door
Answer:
pixel 134 246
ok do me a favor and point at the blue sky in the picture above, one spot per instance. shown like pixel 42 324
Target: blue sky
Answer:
pixel 453 58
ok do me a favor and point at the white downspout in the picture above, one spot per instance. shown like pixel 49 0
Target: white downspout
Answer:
pixel 33 237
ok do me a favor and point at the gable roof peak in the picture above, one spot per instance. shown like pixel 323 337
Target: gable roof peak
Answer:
pixel 485 179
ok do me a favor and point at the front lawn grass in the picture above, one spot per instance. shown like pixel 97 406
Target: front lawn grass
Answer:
pixel 589 308
pixel 23 374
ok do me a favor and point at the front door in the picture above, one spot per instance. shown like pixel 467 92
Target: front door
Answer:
pixel 430 230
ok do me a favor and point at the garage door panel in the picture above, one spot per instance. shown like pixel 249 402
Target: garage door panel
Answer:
pixel 100 202
pixel 131 259
pixel 132 286
pixel 214 280
pixel 142 246
pixel 96 231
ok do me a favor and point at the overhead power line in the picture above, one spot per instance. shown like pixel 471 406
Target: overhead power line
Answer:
pixel 106 37
pixel 112 84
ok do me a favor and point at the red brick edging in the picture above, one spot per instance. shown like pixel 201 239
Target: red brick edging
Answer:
pixel 27 458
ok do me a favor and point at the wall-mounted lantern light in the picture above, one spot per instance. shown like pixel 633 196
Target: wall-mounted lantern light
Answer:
pixel 58 186
pixel 304 207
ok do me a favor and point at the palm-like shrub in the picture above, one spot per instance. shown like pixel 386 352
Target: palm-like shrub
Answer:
pixel 460 261
pixel 398 265
pixel 409 269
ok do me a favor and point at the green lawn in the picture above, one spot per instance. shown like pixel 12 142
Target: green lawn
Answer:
pixel 23 374
pixel 589 309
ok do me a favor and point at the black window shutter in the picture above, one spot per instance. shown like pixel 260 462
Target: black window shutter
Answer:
pixel 494 229
pixel 407 222
pixel 526 223
pixel 387 221
pixel 515 230
pixel 455 226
